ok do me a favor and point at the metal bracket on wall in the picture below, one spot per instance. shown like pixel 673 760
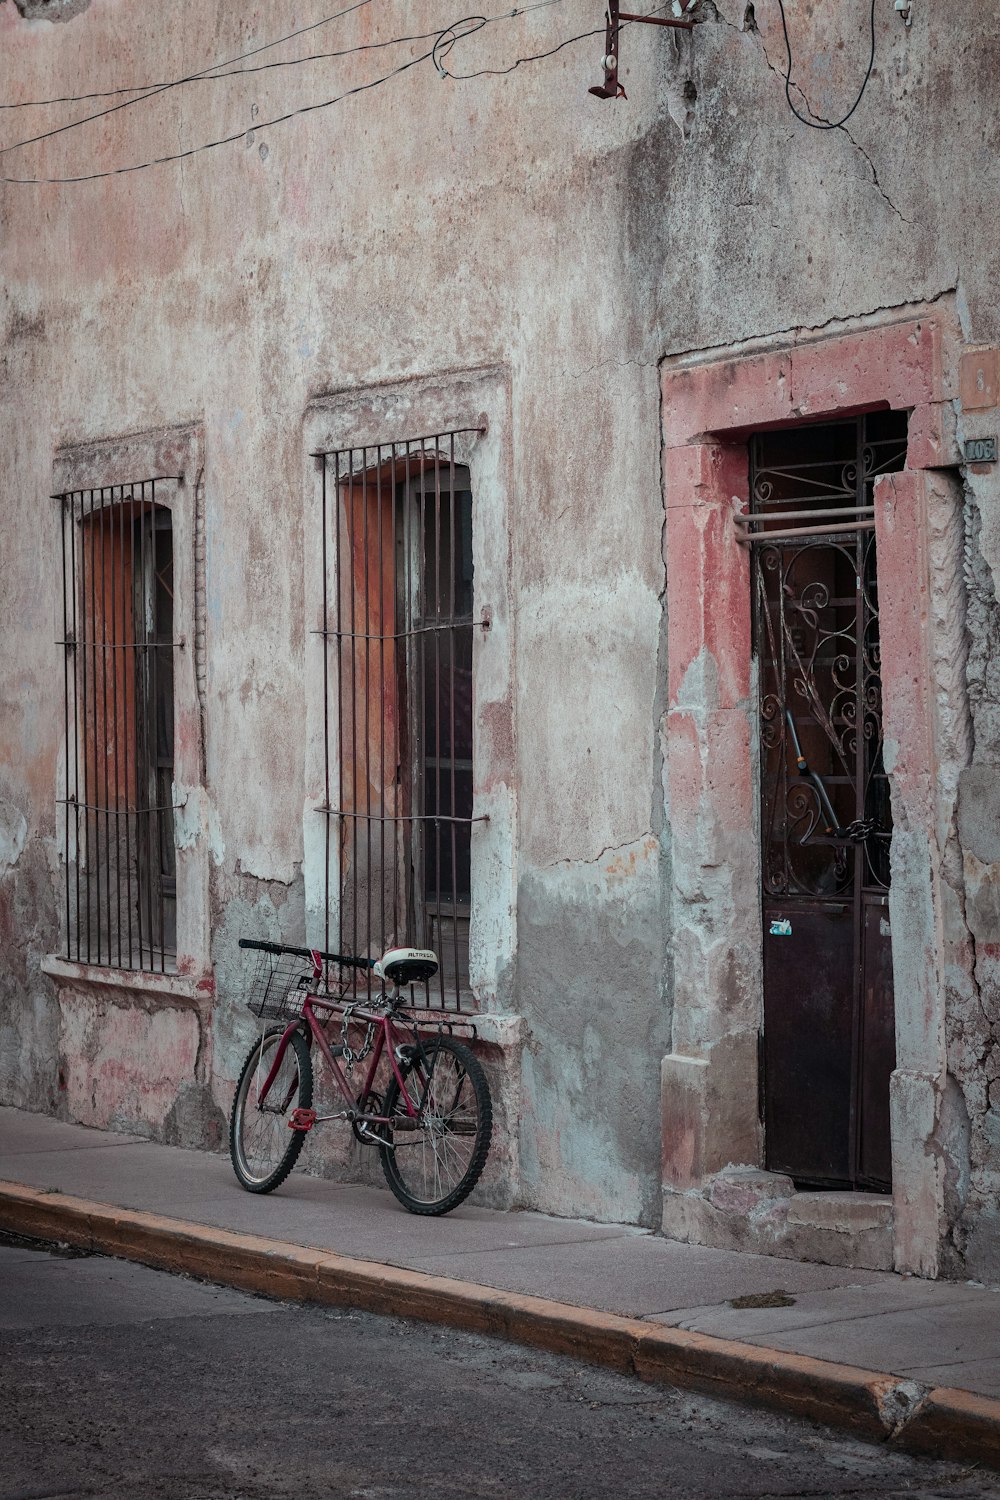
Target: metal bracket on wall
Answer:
pixel 611 88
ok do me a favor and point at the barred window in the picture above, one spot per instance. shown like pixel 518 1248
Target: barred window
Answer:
pixel 398 703
pixel 117 556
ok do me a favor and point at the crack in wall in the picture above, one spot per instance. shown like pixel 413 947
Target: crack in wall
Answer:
pixel 602 364
pixel 595 859
pixel 750 28
pixel 875 178
pixel 762 342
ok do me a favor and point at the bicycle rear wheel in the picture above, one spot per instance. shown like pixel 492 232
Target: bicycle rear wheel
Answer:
pixel 435 1161
pixel 262 1147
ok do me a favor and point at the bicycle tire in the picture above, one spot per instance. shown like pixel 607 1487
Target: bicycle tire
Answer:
pixel 292 1091
pixel 462 1111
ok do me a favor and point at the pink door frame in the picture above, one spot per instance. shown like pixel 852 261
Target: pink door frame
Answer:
pixel 710 1116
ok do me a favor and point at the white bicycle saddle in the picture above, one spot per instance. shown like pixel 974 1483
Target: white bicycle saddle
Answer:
pixel 407 965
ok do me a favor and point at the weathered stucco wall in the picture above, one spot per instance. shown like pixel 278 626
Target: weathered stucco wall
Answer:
pixel 436 225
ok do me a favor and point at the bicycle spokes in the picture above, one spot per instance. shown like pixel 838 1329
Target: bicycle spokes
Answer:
pixel 434 1150
pixel 263 1129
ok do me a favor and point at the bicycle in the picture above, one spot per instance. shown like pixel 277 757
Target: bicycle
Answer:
pixel 433 1126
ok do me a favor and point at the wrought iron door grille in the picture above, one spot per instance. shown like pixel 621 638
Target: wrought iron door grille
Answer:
pixel 825 791
pixel 117 618
pixel 828 1045
pixel 397 704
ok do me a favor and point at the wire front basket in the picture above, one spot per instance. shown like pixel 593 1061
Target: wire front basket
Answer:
pixel 279 982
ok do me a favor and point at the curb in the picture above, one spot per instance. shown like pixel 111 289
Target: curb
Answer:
pixel 944 1423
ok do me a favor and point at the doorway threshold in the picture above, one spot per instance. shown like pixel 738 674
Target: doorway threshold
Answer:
pixel 745 1208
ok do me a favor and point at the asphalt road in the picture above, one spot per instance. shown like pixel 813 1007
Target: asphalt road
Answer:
pixel 118 1381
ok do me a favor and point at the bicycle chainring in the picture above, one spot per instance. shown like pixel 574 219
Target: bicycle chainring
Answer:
pixel 372 1135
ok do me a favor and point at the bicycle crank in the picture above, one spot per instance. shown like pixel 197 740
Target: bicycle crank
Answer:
pixel 369 1134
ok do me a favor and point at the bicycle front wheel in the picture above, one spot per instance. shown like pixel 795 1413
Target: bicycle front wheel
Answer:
pixel 262 1147
pixel 436 1160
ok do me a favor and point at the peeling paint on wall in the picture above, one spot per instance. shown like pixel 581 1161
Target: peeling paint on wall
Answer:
pixel 50 10
pixel 13 832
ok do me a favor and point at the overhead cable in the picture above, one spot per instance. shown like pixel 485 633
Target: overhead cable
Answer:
pixel 531 57
pixel 225 140
pixel 211 75
pixel 176 83
pixel 207 77
pixel 450 33
pixel 817 122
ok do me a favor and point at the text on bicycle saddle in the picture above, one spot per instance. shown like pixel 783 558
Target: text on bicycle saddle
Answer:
pixel 407 965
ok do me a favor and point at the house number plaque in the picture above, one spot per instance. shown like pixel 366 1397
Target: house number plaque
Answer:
pixel 982 450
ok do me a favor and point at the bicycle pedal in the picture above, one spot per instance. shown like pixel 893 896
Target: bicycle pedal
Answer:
pixel 302 1119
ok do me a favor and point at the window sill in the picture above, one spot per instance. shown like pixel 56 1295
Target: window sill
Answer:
pixel 186 989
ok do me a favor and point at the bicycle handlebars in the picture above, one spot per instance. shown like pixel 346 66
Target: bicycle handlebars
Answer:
pixel 332 958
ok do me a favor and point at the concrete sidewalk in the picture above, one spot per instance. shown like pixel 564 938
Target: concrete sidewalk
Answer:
pixel 608 1292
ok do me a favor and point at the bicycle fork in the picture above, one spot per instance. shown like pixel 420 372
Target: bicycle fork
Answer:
pixel 276 1109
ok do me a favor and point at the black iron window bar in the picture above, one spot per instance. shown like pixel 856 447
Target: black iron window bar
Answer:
pixel 117 641
pixel 398 704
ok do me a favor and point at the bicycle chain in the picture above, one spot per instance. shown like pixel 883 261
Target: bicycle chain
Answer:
pixel 349 1055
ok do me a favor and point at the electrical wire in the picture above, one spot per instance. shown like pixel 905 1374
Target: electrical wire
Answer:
pixel 445 43
pixel 502 72
pixel 532 57
pixel 176 83
pixel 209 75
pixel 225 140
pixel 285 62
pixel 817 122
pixel 449 32
pixel 447 38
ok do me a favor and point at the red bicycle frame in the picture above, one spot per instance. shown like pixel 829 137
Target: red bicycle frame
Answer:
pixel 387 1037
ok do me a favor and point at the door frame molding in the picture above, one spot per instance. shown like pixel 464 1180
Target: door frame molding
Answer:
pixel 710 406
